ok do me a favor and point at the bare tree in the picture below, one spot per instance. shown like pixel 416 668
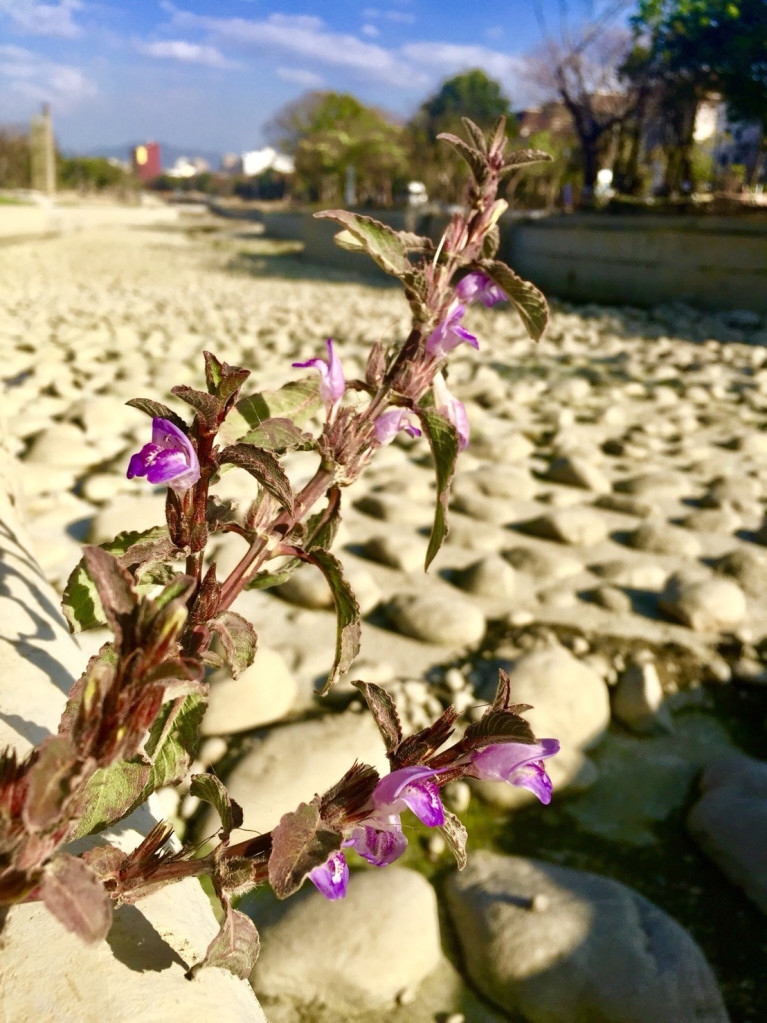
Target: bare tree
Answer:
pixel 581 66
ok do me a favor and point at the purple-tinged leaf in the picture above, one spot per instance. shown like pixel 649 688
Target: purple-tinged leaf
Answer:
pixel 106 861
pixel 455 835
pixel 476 134
pixel 381 242
pixel 264 467
pixel 300 842
pixel 423 744
pixel 157 410
pixel 498 137
pixel 211 790
pixel 445 445
pixel 81 603
pixel 279 435
pixel 72 892
pixel 497 726
pixel 525 157
pixel 475 160
pixel 350 798
pixel 415 242
pixel 527 299
pixel 50 782
pixel 238 639
pixel 114 586
pixel 235 948
pixel 384 711
pixel 205 405
pixel 111 793
pixel 503 696
pixel 222 379
pixel 348 626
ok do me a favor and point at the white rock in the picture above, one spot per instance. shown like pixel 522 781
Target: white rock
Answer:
pixel 264 692
pixel 706 605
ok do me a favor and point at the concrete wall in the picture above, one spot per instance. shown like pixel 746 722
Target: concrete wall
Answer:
pixel 710 262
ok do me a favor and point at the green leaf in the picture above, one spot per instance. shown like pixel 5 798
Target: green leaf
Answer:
pixel 443 440
pixel 298 401
pixel 476 133
pixel 114 587
pixel 238 638
pixel 222 379
pixel 113 792
pixel 157 410
pixel 383 244
pixel 471 156
pixel 72 892
pixel 347 614
pixel 300 842
pixel 264 467
pixel 529 301
pixel 235 948
pixel 279 435
pixel 524 157
pixel 211 790
pixel 81 603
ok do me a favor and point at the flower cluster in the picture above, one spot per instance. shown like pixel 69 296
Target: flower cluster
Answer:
pixel 379 838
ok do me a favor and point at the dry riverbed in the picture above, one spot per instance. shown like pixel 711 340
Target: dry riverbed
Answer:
pixel 607 547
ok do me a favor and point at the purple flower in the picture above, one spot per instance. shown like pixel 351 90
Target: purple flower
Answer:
pixel 332 876
pixel 448 334
pixel 388 425
pixel 379 839
pixel 518 763
pixel 452 409
pixel 332 382
pixel 170 458
pixel 477 287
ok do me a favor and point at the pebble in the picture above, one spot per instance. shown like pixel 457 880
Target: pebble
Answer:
pixel 377 956
pixel 579 472
pixel 598 951
pixel 434 617
pixel 637 699
pixel 659 537
pixel 491 576
pixel 264 692
pixel 729 822
pixel 705 605
pixel 577 526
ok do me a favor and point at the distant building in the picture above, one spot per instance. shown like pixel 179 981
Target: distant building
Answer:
pixel 231 163
pixel 259 160
pixel 186 168
pixel 146 161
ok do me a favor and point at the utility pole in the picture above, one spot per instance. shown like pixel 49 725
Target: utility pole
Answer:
pixel 43 152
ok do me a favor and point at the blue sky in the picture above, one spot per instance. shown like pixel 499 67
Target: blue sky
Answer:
pixel 211 73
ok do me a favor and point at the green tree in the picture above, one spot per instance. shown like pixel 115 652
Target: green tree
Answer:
pixel 91 174
pixel 15 161
pixel 335 140
pixel 696 48
pixel 470 94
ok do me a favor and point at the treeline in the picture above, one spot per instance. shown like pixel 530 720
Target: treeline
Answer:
pixel 79 173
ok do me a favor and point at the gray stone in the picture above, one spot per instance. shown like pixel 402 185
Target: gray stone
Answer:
pixel 396 551
pixel 264 692
pixel 288 765
pixel 349 955
pixel 549 943
pixel 738 492
pixel 491 576
pixel 437 617
pixel 748 568
pixel 729 822
pixel 579 472
pixel 307 587
pixel 638 699
pixel 639 574
pixel 660 537
pixel 510 481
pixel 705 605
pixel 713 520
pixel 578 526
pixel 543 565
pixel 612 598
pixel 656 485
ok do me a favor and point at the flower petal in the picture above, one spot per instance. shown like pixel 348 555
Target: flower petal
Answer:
pixel 379 846
pixel 332 877
pixel 332 382
pixel 518 763
pixel 167 466
pixel 410 787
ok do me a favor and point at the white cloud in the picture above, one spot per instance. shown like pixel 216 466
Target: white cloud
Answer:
pixel 30 17
pixel 451 58
pixel 305 37
pixel 300 76
pixel 402 17
pixel 370 30
pixel 27 76
pixel 188 53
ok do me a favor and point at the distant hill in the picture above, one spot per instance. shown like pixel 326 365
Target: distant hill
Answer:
pixel 168 153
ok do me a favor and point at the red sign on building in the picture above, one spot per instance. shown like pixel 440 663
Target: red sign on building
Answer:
pixel 146 161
